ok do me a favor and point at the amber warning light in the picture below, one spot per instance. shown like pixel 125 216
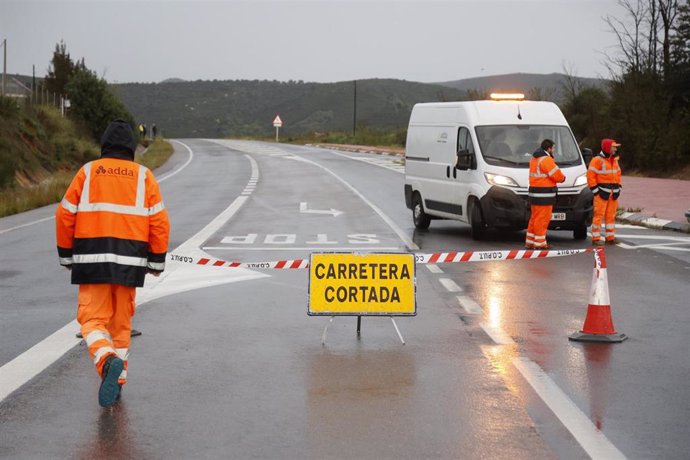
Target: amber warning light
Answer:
pixel 507 96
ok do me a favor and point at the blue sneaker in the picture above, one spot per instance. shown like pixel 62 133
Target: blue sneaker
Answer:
pixel 110 389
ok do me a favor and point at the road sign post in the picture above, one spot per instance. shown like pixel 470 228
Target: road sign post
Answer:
pixel 277 122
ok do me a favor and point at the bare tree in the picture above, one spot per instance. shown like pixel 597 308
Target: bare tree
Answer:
pixel 668 9
pixel 646 27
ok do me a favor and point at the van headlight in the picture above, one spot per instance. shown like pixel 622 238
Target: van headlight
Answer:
pixel 496 179
pixel 582 180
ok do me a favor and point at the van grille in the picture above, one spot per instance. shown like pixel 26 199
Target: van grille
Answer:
pixel 562 201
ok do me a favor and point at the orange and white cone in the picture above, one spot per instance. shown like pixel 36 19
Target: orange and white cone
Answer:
pixel 598 325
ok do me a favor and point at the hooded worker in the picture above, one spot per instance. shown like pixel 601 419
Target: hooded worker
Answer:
pixel 112 228
pixel 604 180
pixel 544 175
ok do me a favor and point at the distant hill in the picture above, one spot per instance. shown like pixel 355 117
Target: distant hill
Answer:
pixel 244 107
pixel 548 84
pixel 247 107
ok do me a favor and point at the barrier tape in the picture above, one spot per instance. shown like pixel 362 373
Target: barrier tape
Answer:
pixel 433 258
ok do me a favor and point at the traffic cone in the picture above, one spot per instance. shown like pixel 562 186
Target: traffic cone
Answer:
pixel 598 325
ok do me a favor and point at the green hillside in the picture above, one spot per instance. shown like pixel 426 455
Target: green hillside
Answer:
pixel 246 108
pixel 242 107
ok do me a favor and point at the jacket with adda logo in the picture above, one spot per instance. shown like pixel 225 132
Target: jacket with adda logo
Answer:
pixel 112 225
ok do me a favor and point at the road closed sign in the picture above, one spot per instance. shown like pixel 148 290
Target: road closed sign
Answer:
pixel 362 284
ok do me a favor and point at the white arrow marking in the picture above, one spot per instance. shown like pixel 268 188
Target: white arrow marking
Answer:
pixel 303 208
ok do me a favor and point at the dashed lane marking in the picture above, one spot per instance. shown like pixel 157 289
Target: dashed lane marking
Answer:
pixel 450 285
pixel 469 305
pixel 433 268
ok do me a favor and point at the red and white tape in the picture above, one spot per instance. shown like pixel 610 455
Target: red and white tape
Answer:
pixel 433 258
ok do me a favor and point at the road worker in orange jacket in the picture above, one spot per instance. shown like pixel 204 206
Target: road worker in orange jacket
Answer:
pixel 544 174
pixel 112 228
pixel 604 180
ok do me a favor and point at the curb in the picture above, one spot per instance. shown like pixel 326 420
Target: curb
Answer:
pixel 646 220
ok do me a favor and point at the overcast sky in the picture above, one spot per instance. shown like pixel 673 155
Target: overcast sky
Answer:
pixel 318 40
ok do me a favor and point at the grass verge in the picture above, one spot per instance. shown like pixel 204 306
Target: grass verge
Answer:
pixel 51 189
pixel 158 152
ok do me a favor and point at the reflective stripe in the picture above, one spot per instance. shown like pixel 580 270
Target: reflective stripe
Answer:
pixel 595 189
pixel 102 352
pixel 94 336
pixel 541 195
pixel 85 194
pixel 160 266
pixel 141 187
pixel 610 226
pixel 68 206
pixel 604 171
pixel 596 226
pixel 610 234
pixel 116 208
pixel 553 171
pixel 596 234
pixel 66 261
pixel 114 258
pixel 123 353
pixel 530 234
pixel 123 375
pixel 538 174
pixel 539 245
pixel 539 237
pixel 155 209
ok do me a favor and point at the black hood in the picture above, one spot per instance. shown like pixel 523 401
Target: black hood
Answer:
pixel 118 141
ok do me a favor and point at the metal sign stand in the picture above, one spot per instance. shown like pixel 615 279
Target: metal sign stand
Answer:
pixel 359 329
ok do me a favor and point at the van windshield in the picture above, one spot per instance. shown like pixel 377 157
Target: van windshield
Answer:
pixel 513 145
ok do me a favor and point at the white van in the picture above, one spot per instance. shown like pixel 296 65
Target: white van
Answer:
pixel 469 161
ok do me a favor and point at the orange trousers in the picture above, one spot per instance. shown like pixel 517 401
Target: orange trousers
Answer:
pixel 538 224
pixel 604 210
pixel 105 313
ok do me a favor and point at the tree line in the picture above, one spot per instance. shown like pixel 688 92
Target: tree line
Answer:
pixel 647 107
pixel 92 102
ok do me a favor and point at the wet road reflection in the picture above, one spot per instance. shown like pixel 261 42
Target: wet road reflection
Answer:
pixel 113 438
pixel 354 398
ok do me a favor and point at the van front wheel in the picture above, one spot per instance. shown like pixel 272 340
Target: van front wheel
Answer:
pixel 476 220
pixel 419 217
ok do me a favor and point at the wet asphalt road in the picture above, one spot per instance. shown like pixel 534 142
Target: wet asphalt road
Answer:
pixel 236 369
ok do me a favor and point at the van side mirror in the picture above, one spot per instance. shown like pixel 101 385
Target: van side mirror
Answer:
pixel 587 155
pixel 464 161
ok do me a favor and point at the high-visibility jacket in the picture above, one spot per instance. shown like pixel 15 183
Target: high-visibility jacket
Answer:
pixel 112 225
pixel 544 174
pixel 604 176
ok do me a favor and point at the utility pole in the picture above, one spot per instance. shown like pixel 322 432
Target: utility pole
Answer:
pixel 354 111
pixel 33 85
pixel 4 64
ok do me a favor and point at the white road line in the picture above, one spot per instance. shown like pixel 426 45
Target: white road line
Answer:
pixel 657 237
pixel 315 248
pixel 35 360
pixel 27 224
pixel 592 440
pixel 186 163
pixel 433 268
pixel 498 335
pixel 450 285
pixel 469 305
